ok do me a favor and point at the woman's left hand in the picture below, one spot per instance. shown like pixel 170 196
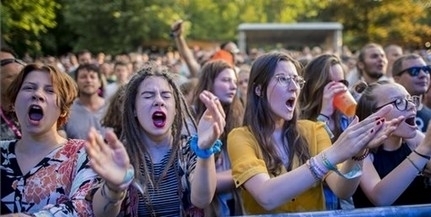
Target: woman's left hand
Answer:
pixel 212 122
pixel 388 128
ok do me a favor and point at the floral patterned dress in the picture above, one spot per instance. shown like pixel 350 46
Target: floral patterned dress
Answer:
pixel 57 184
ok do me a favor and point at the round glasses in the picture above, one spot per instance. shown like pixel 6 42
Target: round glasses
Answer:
pixel 402 103
pixel 286 80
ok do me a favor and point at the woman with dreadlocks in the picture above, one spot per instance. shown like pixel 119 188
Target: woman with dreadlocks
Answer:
pixel 173 171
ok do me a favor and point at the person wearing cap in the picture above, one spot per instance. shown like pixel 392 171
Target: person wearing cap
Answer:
pixel 10 67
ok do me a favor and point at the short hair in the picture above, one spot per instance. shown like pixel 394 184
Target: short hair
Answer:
pixel 82 52
pixel 88 67
pixel 361 56
pixel 120 63
pixel 64 86
pixel 7 49
pixel 397 67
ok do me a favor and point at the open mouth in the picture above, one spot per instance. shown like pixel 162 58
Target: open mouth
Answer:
pixel 159 119
pixel 410 121
pixel 290 103
pixel 35 113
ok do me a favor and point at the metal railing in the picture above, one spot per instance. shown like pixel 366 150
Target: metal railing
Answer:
pixel 412 210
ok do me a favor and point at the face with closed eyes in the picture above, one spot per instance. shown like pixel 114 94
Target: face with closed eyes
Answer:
pixel 155 106
pixel 36 104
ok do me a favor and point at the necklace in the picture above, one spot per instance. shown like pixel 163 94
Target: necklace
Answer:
pixel 10 124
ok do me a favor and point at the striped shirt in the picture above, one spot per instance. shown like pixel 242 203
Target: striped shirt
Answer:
pixel 163 200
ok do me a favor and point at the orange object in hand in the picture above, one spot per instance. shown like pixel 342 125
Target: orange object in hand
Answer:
pixel 345 103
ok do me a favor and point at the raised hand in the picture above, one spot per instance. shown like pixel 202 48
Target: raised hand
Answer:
pixel 331 89
pixel 109 160
pixel 357 136
pixel 177 27
pixel 388 128
pixel 212 122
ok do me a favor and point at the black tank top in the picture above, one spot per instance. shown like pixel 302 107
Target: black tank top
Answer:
pixel 418 192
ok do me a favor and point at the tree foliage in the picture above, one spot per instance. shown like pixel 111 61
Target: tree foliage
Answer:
pixel 115 26
pixel 381 21
pixel 23 22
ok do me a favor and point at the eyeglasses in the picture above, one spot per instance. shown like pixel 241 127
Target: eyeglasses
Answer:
pixel 4 62
pixel 414 71
pixel 286 80
pixel 402 104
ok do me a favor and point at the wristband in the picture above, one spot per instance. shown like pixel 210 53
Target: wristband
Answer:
pixel 127 180
pixel 204 154
pixel 354 173
pixel 422 155
pixel 419 170
pixel 325 116
pixel 363 156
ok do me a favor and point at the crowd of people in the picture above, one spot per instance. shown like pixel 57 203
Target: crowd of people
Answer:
pixel 214 133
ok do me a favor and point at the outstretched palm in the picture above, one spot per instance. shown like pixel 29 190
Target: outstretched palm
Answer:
pixel 212 122
pixel 109 160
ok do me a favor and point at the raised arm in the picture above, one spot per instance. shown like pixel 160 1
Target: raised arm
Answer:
pixel 210 127
pixel 111 162
pixel 384 192
pixel 183 49
pixel 271 193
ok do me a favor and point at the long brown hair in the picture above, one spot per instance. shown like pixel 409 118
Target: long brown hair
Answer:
pixel 261 122
pixel 132 130
pixel 113 115
pixel 234 111
pixel 317 75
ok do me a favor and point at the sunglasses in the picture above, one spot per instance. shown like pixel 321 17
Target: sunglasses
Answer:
pixel 414 71
pixel 5 62
pixel 345 82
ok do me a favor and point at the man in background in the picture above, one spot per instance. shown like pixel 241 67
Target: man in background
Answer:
pixel 10 68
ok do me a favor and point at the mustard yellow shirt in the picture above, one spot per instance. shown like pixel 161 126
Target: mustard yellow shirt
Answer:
pixel 247 161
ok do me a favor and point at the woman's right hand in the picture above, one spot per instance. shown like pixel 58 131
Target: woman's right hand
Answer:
pixel 357 136
pixel 331 89
pixel 109 160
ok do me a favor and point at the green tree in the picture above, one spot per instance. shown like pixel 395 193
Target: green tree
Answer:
pixel 384 22
pixel 24 22
pixel 119 25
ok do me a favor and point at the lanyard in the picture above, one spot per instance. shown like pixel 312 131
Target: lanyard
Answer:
pixel 10 124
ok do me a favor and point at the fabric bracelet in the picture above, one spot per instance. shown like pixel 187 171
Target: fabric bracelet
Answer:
pixel 411 161
pixel 106 196
pixel 313 171
pixel 363 156
pixel 325 116
pixel 354 173
pixel 321 172
pixel 127 180
pixel 422 155
pixel 206 153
